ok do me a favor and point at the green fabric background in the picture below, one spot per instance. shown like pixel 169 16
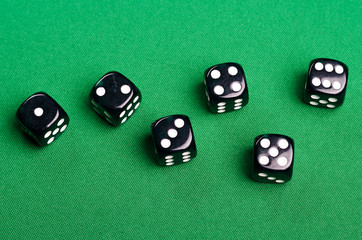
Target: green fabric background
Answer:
pixel 101 182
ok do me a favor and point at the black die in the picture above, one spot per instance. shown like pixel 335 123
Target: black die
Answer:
pixel 326 83
pixel 115 98
pixel 226 88
pixel 273 158
pixel 174 140
pixel 42 118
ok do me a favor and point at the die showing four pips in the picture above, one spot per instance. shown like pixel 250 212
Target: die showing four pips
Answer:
pixel 115 98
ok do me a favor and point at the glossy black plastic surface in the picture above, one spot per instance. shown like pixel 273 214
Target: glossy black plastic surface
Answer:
pixel 326 83
pixel 115 98
pixel 273 158
pixel 226 88
pixel 42 118
pixel 174 140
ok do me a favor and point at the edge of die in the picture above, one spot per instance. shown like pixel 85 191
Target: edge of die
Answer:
pixel 313 61
pixel 257 138
pixel 208 70
pixel 34 95
pixel 154 124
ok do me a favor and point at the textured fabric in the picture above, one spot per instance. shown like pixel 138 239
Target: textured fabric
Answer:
pixel 101 182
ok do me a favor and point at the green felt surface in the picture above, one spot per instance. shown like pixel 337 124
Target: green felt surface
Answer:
pixel 101 182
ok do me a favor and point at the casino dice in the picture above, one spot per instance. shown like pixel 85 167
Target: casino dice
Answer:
pixel 115 98
pixel 174 140
pixel 273 158
pixel 42 118
pixel 326 83
pixel 226 88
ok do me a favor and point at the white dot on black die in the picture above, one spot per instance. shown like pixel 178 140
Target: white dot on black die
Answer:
pixel 235 86
pixel 172 133
pixel 313 103
pixel 125 89
pixel 323 101
pixel 339 69
pixel 237 107
pixel 61 121
pixel 283 143
pixel 332 99
pixel 329 67
pixel 262 174
pixel 63 128
pixel 169 164
pixel 38 112
pixel 186 153
pixel 331 106
pixel 316 81
pixel 169 157
pixel 221 111
pixel 263 160
pixel 326 83
pixel 318 66
pixel 271 178
pixel 135 99
pixel 50 140
pixel 336 85
pixel 279 181
pixel 122 114
pixel 129 106
pixel 315 96
pixel 215 74
pixel 130 113
pixel 47 134
pixel 232 71
pixel 221 103
pixel 165 143
pixel 265 143
pixel 56 131
pixel 218 90
pixel 101 91
pixel 123 120
pixel 137 105
pixel 282 161
pixel 238 100
pixel 179 123
pixel 273 152
pixel 169 160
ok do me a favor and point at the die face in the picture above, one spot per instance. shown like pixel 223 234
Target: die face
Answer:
pixel 115 98
pixel 326 83
pixel 41 117
pixel 273 158
pixel 174 140
pixel 226 88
